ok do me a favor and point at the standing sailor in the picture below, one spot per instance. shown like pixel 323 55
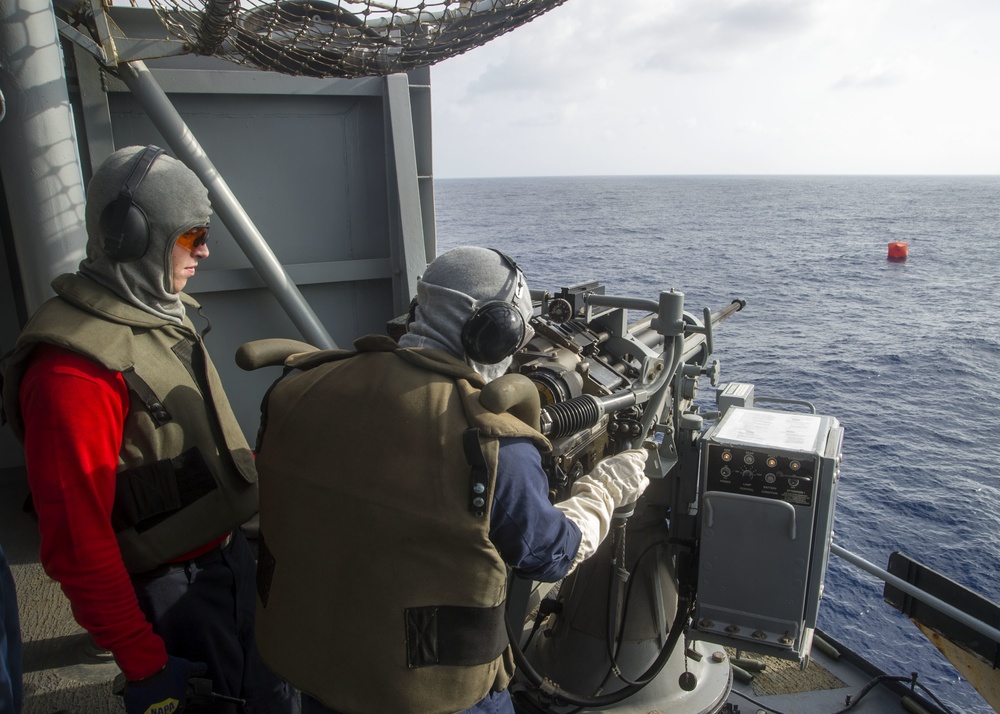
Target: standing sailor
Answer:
pixel 138 469
pixel 393 501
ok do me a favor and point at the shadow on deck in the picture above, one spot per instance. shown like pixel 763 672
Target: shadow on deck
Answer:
pixel 63 670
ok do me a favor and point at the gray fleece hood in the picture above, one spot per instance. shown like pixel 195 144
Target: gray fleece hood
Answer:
pixel 454 286
pixel 173 200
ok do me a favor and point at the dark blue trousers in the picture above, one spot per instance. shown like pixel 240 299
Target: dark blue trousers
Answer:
pixel 11 688
pixel 204 611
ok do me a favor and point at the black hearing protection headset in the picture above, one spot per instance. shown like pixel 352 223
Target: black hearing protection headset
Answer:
pixel 496 330
pixel 123 225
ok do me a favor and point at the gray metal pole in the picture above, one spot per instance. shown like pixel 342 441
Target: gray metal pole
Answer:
pixel 178 135
pixel 409 253
pixel 41 168
pixel 912 590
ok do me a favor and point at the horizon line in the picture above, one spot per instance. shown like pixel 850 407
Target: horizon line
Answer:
pixel 723 175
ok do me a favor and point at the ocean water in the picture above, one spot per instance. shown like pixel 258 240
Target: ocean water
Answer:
pixel 906 355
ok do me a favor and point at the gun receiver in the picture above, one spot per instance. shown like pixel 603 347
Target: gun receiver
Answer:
pixel 605 384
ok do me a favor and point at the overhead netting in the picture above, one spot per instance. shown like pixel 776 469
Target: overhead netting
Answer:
pixel 342 38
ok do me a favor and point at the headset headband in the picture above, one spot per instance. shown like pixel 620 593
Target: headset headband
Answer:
pixel 518 275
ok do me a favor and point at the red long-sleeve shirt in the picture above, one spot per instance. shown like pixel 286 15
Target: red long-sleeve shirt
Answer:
pixel 74 412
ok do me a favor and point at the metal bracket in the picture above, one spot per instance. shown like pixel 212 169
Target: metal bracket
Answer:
pixel 112 48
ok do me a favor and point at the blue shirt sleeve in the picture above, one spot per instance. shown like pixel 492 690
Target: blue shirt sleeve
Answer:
pixel 533 536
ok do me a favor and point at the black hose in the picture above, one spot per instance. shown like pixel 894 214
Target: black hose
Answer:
pixel 620 634
pixel 604 700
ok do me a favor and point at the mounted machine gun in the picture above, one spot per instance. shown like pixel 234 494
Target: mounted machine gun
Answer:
pixel 610 628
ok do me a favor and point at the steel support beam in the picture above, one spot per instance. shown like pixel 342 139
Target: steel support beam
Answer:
pixel 407 250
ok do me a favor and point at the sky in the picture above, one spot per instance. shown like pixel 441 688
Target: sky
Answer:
pixel 619 87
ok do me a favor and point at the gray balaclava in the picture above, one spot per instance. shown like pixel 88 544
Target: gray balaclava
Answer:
pixel 173 201
pixel 454 286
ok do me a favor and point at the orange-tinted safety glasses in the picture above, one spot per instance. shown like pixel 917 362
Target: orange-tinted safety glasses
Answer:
pixel 194 238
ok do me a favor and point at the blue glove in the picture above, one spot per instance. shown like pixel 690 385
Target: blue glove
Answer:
pixel 164 692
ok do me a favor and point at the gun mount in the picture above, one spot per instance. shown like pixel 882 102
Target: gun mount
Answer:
pixel 611 628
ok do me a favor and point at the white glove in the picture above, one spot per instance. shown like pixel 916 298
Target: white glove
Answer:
pixel 616 481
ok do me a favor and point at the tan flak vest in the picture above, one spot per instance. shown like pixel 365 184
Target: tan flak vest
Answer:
pixel 379 589
pixel 185 472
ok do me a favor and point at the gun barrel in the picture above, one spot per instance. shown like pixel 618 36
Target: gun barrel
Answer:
pixel 731 309
pixel 698 335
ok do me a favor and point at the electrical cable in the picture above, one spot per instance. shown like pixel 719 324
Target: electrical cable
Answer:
pixel 859 696
pixel 912 679
pixel 605 700
pixel 759 705
pixel 931 694
pixel 546 607
pixel 620 634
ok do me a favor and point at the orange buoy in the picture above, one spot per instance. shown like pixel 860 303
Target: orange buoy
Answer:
pixel 898 250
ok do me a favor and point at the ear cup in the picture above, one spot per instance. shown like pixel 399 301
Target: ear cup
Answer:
pixel 123 225
pixel 493 333
pixel 127 238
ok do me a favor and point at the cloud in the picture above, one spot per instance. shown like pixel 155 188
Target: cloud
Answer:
pixel 587 43
pixel 726 86
pixel 547 56
pixel 713 35
pixel 879 74
pixel 520 73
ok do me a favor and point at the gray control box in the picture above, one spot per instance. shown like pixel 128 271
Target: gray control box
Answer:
pixel 768 491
